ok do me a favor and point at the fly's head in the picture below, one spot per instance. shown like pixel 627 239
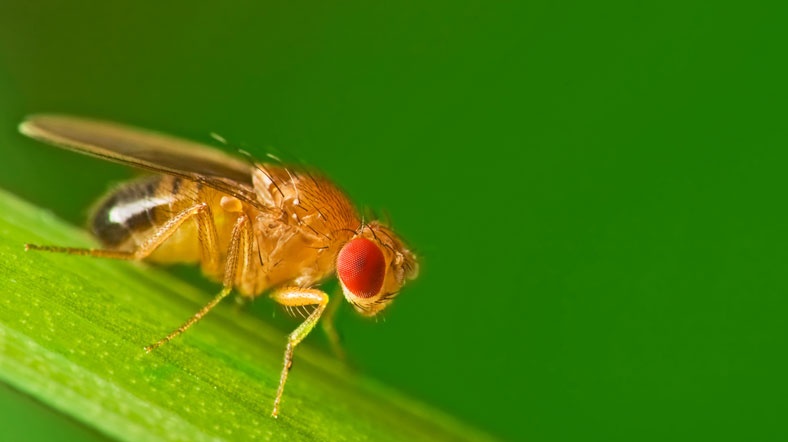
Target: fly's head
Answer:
pixel 373 266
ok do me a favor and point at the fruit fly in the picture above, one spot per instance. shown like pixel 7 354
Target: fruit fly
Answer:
pixel 255 227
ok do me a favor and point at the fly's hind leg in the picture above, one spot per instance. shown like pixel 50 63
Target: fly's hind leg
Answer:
pixel 206 231
pixel 209 250
pixel 296 297
pixel 240 247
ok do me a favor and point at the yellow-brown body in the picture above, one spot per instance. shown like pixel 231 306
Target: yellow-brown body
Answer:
pixel 296 237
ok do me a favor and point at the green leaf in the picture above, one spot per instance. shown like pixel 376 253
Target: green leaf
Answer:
pixel 72 331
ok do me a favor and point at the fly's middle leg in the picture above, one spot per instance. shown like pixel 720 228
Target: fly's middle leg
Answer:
pixel 240 249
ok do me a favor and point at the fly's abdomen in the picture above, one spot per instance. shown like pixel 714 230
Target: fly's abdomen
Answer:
pixel 128 216
pixel 126 211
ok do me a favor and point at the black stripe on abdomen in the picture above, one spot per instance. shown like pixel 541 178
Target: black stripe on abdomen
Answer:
pixel 128 209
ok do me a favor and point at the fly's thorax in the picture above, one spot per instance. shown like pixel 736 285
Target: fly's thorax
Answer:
pixel 303 221
pixel 373 266
pixel 292 254
pixel 303 199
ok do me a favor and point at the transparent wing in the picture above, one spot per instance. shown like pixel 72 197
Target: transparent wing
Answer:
pixel 145 150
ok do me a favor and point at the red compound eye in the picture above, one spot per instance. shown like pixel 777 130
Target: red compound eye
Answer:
pixel 361 267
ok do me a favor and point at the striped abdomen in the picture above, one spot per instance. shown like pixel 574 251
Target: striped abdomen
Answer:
pixel 128 215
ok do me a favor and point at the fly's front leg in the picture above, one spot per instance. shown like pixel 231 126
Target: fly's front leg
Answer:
pixel 240 246
pixel 296 297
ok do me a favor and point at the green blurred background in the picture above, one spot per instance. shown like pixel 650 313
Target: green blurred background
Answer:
pixel 597 189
